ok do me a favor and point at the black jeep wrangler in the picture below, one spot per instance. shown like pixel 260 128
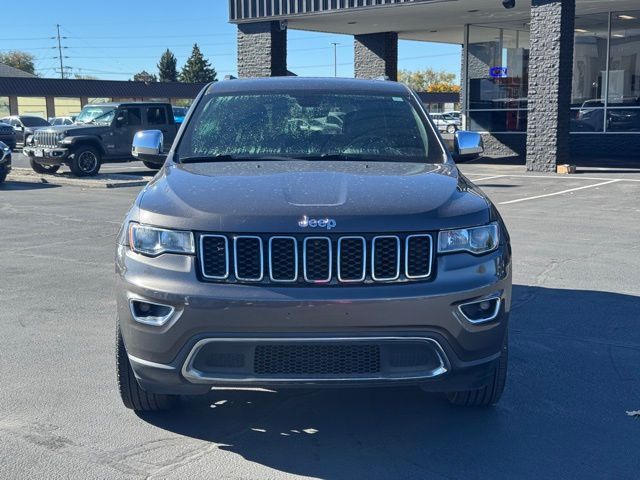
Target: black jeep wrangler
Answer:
pixel 102 133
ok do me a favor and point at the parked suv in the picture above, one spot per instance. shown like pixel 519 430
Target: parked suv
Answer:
pixel 102 133
pixel 8 135
pixel 24 126
pixel 5 161
pixel 266 253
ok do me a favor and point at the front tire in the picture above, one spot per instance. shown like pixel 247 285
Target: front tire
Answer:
pixel 451 129
pixel 86 162
pixel 43 169
pixel 489 394
pixel 134 397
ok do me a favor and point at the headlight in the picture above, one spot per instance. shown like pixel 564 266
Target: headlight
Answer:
pixel 154 241
pixel 61 136
pixel 475 240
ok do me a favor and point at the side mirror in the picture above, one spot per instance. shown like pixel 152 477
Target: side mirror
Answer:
pixel 147 146
pixel 468 143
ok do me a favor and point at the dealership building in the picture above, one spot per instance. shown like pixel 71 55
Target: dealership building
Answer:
pixel 554 80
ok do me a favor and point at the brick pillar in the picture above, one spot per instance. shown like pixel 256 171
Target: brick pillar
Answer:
pixel 51 107
pixel 13 105
pixel 376 55
pixel 550 72
pixel 262 50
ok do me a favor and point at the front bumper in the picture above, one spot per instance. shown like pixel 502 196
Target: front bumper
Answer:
pixel 162 357
pixel 47 156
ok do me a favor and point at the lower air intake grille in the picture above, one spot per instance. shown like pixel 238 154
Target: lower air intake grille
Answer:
pixel 316 359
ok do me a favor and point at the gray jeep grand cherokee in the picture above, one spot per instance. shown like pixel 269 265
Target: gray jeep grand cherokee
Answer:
pixel 310 232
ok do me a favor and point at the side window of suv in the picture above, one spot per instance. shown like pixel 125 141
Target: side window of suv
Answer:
pixel 132 117
pixel 156 116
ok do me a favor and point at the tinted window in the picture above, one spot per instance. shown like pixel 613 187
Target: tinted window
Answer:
pixel 371 127
pixel 132 117
pixel 34 122
pixel 156 116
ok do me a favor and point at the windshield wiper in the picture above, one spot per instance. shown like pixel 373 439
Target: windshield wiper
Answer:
pixel 233 158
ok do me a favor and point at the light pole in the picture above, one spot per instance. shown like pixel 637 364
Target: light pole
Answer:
pixel 335 58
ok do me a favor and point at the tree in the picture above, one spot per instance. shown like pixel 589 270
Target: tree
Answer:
pixel 21 60
pixel 443 87
pixel 145 77
pixel 429 80
pixel 167 71
pixel 197 69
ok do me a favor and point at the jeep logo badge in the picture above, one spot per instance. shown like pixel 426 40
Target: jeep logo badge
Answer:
pixel 306 222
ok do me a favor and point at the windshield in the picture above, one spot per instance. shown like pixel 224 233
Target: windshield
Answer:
pixel 34 122
pixel 96 115
pixel 309 126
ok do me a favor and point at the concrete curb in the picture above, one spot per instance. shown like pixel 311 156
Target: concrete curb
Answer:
pixel 114 180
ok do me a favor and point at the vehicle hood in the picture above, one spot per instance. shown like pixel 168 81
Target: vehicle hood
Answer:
pixel 76 130
pixel 272 197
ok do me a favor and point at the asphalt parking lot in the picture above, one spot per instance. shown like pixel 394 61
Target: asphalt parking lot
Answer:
pixel 574 372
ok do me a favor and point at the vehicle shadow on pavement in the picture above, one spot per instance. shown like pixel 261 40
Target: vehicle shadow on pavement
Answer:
pixel 16 186
pixel 573 375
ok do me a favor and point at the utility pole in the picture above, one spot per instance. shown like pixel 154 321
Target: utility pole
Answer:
pixel 335 58
pixel 60 53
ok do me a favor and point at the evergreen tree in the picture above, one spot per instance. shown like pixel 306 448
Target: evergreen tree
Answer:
pixel 197 69
pixel 167 71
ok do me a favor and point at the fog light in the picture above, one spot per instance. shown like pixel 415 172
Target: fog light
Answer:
pixel 150 313
pixel 481 311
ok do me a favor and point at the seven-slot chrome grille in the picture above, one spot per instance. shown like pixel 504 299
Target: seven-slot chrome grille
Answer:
pixel 315 259
pixel 43 138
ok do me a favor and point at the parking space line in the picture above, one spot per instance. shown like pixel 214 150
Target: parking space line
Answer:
pixel 559 193
pixel 554 177
pixel 488 178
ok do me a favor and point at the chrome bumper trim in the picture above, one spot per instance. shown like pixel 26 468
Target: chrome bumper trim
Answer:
pixel 147 363
pixel 195 376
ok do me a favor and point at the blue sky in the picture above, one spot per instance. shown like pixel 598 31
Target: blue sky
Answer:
pixel 115 39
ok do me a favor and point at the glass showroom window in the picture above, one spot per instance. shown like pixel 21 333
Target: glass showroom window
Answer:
pixel 623 105
pixel 589 73
pixel 497 76
pixel 4 107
